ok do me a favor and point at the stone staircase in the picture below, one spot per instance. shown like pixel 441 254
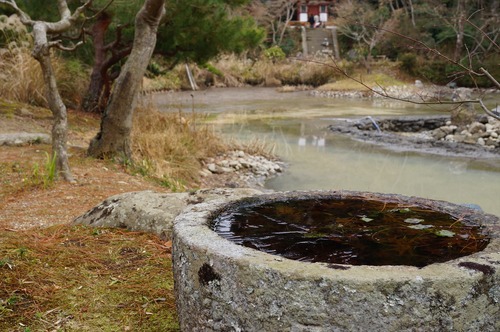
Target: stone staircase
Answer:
pixel 317 39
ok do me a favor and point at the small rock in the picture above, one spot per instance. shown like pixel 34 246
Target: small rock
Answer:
pixel 212 167
pixel 23 112
pixel 465 133
pixel 439 133
pixel 491 142
pixel 481 141
pixel 476 127
pixel 483 119
pixel 205 173
pixel 450 138
pixel 226 170
pixel 459 138
pixel 470 140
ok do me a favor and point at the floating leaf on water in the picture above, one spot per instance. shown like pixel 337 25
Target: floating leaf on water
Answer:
pixel 413 220
pixel 420 226
pixel 366 219
pixel 444 233
pixel 314 235
pixel 405 210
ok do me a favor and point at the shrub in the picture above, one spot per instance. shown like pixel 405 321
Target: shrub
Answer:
pixel 274 53
pixel 167 81
pixel 153 69
pixel 408 63
pixel 441 72
pixel 210 67
pixel 72 79
pixel 12 31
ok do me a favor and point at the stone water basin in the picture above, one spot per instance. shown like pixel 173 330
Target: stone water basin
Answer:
pixel 371 273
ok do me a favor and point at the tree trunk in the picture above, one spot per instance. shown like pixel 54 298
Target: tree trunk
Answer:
pixel 412 13
pixel 41 52
pixel 460 30
pixel 105 57
pixel 113 138
pixel 91 99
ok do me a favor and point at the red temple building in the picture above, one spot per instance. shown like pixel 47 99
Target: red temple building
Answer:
pixel 321 9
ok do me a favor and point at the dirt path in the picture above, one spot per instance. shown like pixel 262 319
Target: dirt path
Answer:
pixel 24 205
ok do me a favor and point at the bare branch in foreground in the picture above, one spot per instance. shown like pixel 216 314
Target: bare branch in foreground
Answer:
pixel 384 93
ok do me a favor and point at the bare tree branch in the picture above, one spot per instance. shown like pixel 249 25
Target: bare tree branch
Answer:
pixel 25 19
pixel 58 44
pixel 487 111
pixel 67 19
pixel 430 49
pixel 383 92
pixel 97 13
pixel 484 71
pixel 483 33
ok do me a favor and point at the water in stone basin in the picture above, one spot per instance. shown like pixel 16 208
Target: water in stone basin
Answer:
pixel 351 231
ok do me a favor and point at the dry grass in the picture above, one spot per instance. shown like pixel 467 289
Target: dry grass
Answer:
pixel 170 146
pixel 266 72
pixel 383 74
pixel 235 71
pixel 256 147
pixel 21 77
pixel 83 279
pixel 65 278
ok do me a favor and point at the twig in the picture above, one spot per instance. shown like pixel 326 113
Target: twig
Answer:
pixel 386 95
pixel 484 71
pixel 487 111
pixel 58 44
pixel 99 11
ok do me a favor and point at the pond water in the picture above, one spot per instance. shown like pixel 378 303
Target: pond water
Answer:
pixel 295 125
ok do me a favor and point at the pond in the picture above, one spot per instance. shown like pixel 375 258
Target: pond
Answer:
pixel 295 125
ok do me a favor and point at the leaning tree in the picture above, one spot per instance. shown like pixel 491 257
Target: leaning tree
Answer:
pixel 194 31
pixel 46 36
pixel 199 31
pixel 113 138
pixel 112 33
